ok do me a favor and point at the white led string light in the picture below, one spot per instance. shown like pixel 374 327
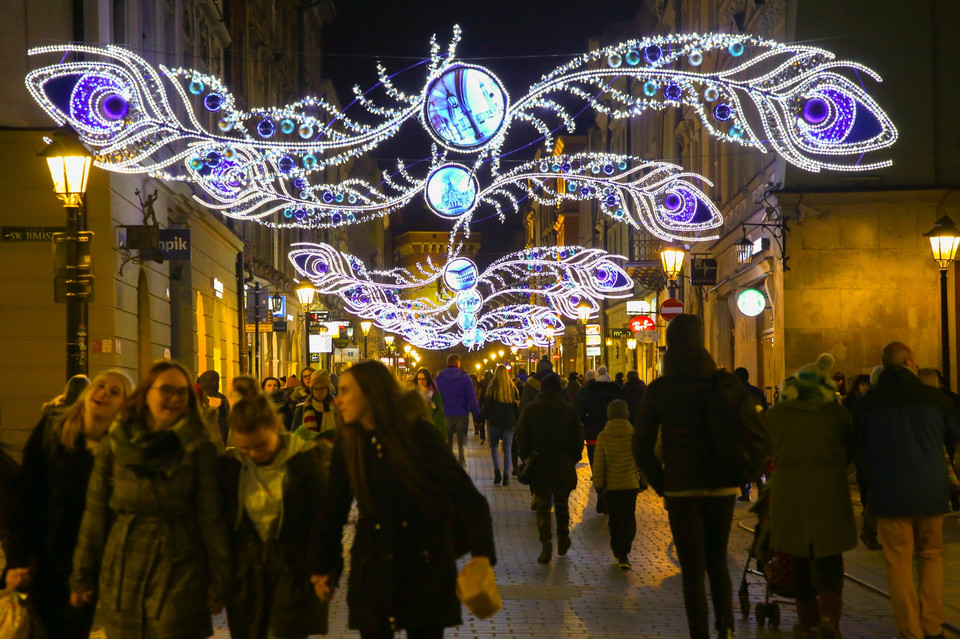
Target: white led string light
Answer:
pixel 497 305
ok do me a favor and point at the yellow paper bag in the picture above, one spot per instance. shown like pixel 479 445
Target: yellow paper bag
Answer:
pixel 477 589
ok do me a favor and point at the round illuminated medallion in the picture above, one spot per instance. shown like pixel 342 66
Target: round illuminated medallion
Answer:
pixel 751 302
pixel 451 191
pixel 469 301
pixel 465 107
pixel 460 274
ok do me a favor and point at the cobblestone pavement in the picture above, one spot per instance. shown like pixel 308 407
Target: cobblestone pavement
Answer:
pixel 584 595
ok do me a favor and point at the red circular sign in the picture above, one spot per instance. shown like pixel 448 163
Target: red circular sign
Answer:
pixel 642 323
pixel 670 308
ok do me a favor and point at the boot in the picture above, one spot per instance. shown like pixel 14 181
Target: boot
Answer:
pixel 496 477
pixel 546 553
pixel 808 620
pixel 563 544
pixel 831 605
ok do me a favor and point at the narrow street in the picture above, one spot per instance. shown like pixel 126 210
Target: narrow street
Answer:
pixel 584 595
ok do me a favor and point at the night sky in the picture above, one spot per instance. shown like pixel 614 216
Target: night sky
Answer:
pixel 518 40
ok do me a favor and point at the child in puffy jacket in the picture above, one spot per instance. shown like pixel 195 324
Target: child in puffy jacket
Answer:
pixel 617 480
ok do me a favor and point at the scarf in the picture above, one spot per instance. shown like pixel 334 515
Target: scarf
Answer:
pixel 154 454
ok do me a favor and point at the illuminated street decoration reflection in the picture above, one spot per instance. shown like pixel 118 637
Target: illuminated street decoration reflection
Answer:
pixel 266 164
pixel 521 296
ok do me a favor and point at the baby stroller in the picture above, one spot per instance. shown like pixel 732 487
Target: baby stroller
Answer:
pixel 773 566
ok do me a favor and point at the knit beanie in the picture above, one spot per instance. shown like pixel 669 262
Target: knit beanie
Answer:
pixel 812 381
pixel 544 366
pixel 618 409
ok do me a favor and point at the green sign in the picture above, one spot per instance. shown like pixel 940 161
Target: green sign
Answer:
pixel 29 233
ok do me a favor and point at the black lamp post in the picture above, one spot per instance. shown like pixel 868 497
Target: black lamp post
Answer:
pixel 305 293
pixel 944 240
pixel 69 163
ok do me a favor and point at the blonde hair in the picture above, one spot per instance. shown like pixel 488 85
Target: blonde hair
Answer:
pixel 502 389
pixel 252 413
pixel 71 424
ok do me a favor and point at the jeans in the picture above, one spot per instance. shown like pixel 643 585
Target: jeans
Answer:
pixel 561 508
pixel 812 577
pixel 457 424
pixel 701 529
pixel 412 633
pixel 496 436
pixel 621 507
pixel 916 614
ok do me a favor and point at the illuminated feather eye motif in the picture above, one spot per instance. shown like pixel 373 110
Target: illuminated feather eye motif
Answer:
pixel 475 307
pixel 797 100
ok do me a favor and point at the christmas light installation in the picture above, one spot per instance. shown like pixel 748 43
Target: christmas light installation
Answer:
pixel 521 296
pixel 263 164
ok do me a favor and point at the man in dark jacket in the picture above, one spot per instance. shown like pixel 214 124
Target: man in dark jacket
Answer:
pixel 532 386
pixel 573 387
pixel 743 375
pixel 903 427
pixel 633 391
pixel 549 427
pixel 459 399
pixel 210 382
pixel 593 408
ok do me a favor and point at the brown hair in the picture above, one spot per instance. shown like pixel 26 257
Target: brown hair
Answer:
pixel 252 413
pixel 135 408
pixel 246 386
pixel 71 424
pixel 71 392
pixel 394 417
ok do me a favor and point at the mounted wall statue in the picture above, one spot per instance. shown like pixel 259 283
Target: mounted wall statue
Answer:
pixel 266 164
pixel 519 296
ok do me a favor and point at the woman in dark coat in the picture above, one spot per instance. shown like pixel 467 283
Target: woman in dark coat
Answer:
pixel 549 426
pixel 699 505
pixel 57 463
pixel 152 543
pixel 264 481
pixel 419 511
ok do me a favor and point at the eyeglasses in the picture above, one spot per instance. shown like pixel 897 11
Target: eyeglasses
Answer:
pixel 169 392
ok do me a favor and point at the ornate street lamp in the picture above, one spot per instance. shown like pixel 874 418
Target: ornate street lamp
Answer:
pixel 744 250
pixel 365 326
pixel 69 163
pixel 276 303
pixel 388 340
pixel 305 293
pixel 944 240
pixel 671 258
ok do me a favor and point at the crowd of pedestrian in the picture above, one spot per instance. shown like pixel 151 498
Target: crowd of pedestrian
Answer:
pixel 162 504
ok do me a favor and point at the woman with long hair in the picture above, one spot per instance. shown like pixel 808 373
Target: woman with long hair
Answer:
pixel 499 411
pixel 418 512
pixel 317 416
pixel 57 463
pixel 75 385
pixel 274 528
pixel 431 394
pixel 153 545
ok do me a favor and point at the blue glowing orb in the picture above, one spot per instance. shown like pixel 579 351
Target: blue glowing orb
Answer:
pixel 213 102
pixel 460 274
pixel 722 112
pixel 467 321
pixel 451 191
pixel 98 104
pixel 815 111
pixel 465 107
pixel 469 301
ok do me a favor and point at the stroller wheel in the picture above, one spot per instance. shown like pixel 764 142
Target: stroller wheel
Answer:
pixel 773 614
pixel 744 605
pixel 761 612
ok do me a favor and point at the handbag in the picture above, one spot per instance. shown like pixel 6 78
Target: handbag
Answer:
pixel 527 470
pixel 477 589
pixel 15 618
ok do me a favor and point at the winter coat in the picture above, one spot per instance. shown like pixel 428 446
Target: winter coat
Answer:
pixel 811 514
pixel 458 395
pixel 572 391
pixel 633 391
pixel 550 427
pixel 902 427
pixel 51 495
pixel 327 425
pixel 278 400
pixel 272 578
pixel 593 408
pixel 403 569
pixel 675 407
pixel 152 539
pixel 502 415
pixel 435 403
pixel 613 465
